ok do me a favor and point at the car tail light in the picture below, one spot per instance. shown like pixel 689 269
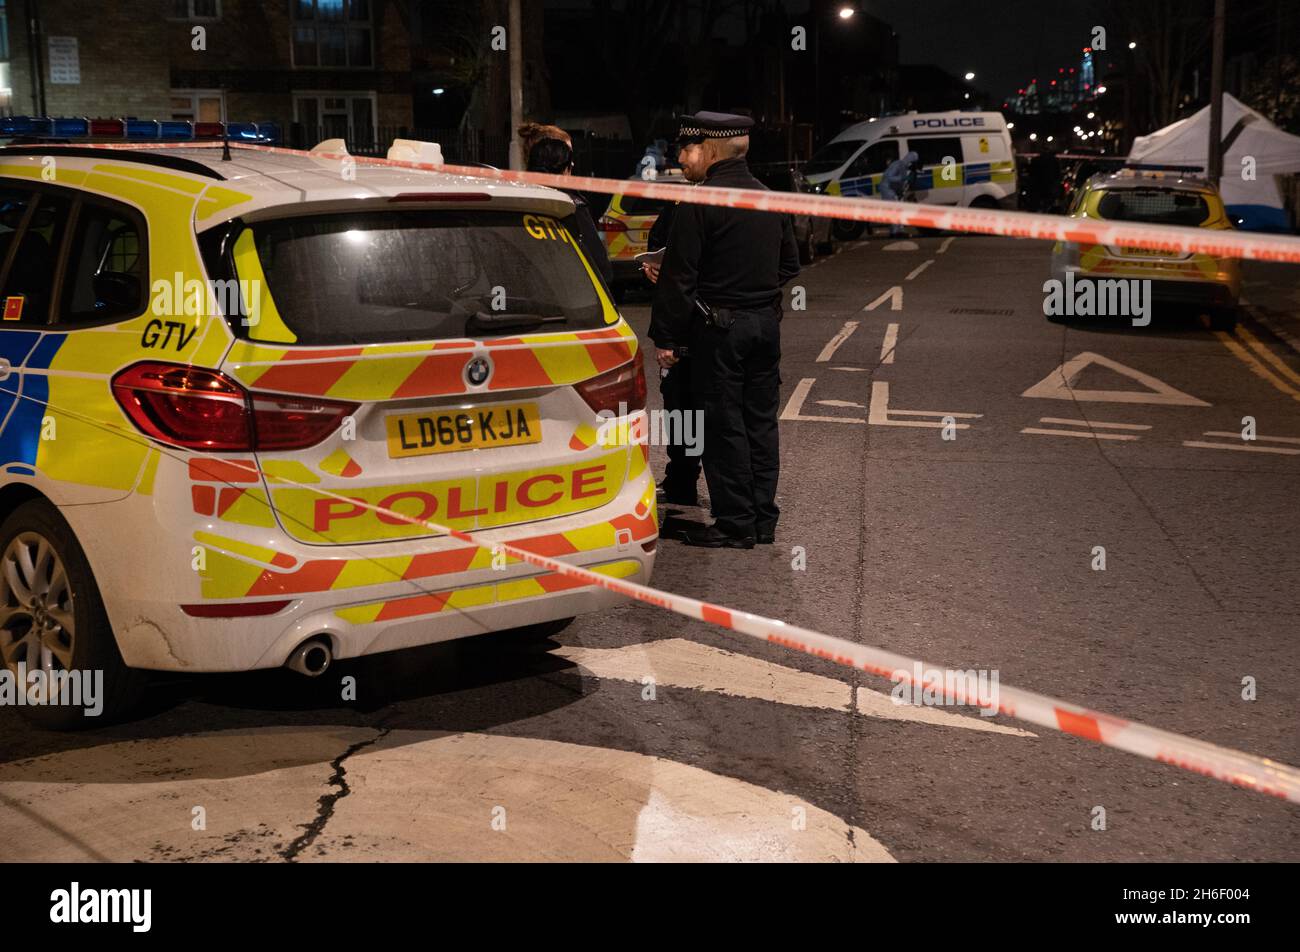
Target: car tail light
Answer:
pixel 201 409
pixel 610 224
pixel 621 390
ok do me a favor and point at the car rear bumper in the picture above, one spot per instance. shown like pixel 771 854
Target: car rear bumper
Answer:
pixel 365 598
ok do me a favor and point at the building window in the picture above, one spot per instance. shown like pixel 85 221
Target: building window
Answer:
pixel 199 105
pixel 196 10
pixel 332 33
pixel 342 115
pixel 4 31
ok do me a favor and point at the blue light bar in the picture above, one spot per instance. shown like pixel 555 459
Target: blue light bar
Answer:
pixel 175 129
pixel 140 130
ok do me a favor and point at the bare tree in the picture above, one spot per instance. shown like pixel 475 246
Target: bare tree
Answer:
pixel 1173 37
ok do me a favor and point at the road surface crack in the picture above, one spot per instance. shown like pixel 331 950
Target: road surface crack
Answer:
pixel 327 802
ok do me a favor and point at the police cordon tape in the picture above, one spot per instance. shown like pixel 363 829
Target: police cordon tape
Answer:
pixel 1261 774
pixel 1171 239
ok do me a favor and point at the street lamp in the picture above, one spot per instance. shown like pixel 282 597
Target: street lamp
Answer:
pixel 1132 44
pixel 969 77
pixel 845 13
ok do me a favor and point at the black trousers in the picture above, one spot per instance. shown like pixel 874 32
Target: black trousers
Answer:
pixel 737 375
pixel 682 474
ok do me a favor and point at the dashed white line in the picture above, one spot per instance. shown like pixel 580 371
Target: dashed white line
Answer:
pixel 1095 423
pixel 890 342
pixel 944 245
pixel 1240 448
pixel 834 343
pixel 1087 435
pixel 919 268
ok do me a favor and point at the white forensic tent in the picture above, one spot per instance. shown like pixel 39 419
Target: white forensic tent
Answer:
pixel 1257 204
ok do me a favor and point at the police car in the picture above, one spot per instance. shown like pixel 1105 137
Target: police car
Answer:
pixel 232 388
pixel 625 229
pixel 1160 196
pixel 966 159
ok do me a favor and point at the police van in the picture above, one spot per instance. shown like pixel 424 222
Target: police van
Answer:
pixel 965 158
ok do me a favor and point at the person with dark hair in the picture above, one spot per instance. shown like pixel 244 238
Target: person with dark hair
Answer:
pixel 554 155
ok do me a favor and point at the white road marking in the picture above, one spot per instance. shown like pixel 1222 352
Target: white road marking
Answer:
pixel 901 246
pixel 894 296
pixel 1094 423
pixel 841 403
pixel 856 370
pixel 879 412
pixel 1084 433
pixel 1059 385
pixel 1241 448
pixel 679 663
pixel 1232 435
pixel 834 343
pixel 919 268
pixel 890 342
pixel 793 409
pixel 944 245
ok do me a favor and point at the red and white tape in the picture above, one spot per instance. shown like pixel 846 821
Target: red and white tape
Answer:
pixel 1173 239
pixel 1236 767
pixel 1253 772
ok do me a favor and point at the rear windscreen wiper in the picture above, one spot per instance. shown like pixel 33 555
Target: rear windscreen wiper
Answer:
pixel 484 321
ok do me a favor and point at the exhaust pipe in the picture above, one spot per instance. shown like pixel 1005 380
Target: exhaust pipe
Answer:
pixel 311 658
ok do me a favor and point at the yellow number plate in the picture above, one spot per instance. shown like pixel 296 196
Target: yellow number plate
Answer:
pixel 447 431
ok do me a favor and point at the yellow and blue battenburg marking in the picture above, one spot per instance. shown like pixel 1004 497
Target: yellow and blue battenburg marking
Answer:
pixel 23 399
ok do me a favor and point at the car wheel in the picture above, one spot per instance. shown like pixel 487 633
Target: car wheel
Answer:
pixel 848 230
pixel 1223 319
pixel 52 619
pixel 806 249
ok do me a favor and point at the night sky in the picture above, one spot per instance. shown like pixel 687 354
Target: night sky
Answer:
pixel 1006 43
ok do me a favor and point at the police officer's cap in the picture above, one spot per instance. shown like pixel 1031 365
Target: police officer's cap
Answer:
pixel 712 125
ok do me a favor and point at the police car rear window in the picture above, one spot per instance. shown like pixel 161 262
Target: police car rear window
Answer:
pixel 1154 206
pixel 368 277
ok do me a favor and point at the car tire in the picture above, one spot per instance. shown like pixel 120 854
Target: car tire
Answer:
pixel 848 230
pixel 1223 319
pixel 35 536
pixel 807 250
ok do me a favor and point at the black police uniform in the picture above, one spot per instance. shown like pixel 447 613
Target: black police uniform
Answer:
pixel 682 474
pixel 732 263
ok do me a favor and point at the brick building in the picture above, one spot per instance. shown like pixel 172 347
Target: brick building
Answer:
pixel 338 67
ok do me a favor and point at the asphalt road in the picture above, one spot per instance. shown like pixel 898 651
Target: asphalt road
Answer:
pixel 640 734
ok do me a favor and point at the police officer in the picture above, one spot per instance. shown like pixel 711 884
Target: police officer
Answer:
pixel 719 294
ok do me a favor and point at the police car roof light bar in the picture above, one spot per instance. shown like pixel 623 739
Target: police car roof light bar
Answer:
pixel 73 128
